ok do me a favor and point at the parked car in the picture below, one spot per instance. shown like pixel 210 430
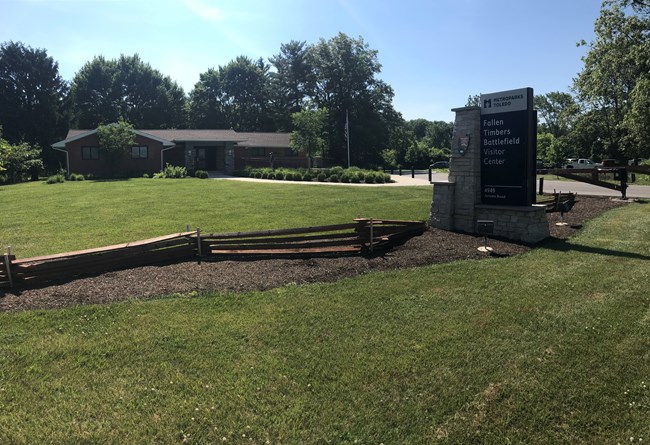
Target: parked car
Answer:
pixel 440 164
pixel 580 163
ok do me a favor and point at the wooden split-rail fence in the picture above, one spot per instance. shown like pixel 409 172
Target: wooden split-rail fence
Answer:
pixel 364 235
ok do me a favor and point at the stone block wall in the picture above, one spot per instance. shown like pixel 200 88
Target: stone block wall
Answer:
pixel 527 224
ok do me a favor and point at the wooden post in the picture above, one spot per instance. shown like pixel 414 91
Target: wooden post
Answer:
pixel 541 186
pixel 8 268
pixel 371 235
pixel 198 243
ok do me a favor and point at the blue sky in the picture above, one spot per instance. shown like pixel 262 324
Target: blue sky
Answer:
pixel 433 53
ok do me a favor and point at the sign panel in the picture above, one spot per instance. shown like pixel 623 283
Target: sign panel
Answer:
pixel 508 148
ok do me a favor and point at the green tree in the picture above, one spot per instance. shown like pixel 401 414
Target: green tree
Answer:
pixel 233 96
pixel 557 112
pixel 18 162
pixel 208 104
pixel 127 88
pixel 115 140
pixel 617 60
pixel 345 80
pixel 309 135
pixel 32 98
pixel 246 87
pixel 290 83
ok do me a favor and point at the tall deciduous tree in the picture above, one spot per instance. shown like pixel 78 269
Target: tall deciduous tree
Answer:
pixel 558 113
pixel 115 139
pixel 344 73
pixel 32 97
pixel 618 60
pixel 127 88
pixel 309 135
pixel 233 96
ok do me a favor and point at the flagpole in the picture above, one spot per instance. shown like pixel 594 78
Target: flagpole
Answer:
pixel 347 134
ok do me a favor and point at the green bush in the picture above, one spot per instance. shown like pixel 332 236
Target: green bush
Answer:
pixel 307 176
pixel 338 171
pixel 354 178
pixel 172 172
pixel 379 178
pixel 369 178
pixel 258 175
pixel 387 178
pixel 76 177
pixel 361 175
pixel 289 176
pixel 145 175
pixel 201 174
pixel 90 176
pixel 321 177
pixel 55 179
pixel 345 177
pixel 334 178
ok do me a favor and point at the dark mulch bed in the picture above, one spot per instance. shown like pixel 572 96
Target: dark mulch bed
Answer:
pixel 434 246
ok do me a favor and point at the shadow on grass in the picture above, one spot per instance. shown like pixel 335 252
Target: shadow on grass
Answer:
pixel 560 245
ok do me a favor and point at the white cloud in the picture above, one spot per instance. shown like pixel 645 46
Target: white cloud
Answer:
pixel 204 10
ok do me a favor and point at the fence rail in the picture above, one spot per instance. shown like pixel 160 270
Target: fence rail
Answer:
pixel 363 235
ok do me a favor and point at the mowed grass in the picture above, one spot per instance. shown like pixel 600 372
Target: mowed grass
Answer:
pixel 548 347
pixel 39 219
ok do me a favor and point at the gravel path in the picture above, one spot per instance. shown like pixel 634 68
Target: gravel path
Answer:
pixel 434 246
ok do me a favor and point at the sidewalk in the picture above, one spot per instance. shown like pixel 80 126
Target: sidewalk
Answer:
pixel 403 180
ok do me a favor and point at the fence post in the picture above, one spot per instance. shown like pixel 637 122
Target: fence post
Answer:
pixel 8 267
pixel 430 173
pixel 198 243
pixel 541 186
pixel 412 172
pixel 372 236
pixel 400 170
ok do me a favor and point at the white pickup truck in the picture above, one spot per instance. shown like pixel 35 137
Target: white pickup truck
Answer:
pixel 580 163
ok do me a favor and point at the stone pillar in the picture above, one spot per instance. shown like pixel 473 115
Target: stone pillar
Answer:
pixel 189 157
pixel 229 157
pixel 453 202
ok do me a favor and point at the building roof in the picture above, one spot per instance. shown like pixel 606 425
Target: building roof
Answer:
pixel 171 137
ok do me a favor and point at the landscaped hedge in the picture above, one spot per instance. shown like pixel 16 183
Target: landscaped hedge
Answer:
pixel 354 175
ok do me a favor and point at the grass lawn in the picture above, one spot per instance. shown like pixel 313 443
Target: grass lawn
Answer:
pixel 548 347
pixel 41 218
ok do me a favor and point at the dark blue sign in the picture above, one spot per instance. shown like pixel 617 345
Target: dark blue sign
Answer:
pixel 507 148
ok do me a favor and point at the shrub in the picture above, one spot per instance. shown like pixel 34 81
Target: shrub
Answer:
pixel 297 176
pixel 258 175
pixel 201 174
pixel 354 178
pixel 90 176
pixel 272 175
pixel 336 171
pixel 172 172
pixel 75 177
pixel 265 175
pixel 387 178
pixel 307 176
pixel 145 175
pixel 334 178
pixel 321 177
pixel 362 175
pixel 55 179
pixel 289 176
pixel 345 177
pixel 369 178
pixel 379 178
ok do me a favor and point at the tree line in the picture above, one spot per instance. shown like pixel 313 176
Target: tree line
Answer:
pixel 336 77
pixel 311 88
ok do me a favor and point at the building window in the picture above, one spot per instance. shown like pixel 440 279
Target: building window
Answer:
pixel 289 152
pixel 139 152
pixel 89 153
pixel 258 152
